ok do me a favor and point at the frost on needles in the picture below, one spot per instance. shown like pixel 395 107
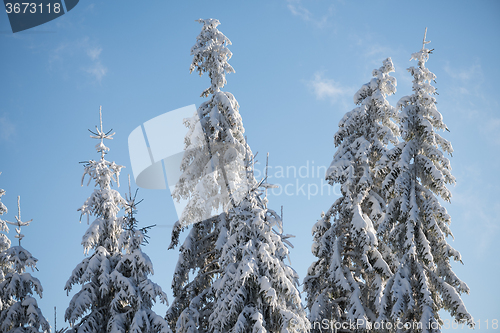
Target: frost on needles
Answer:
pixel 240 281
pixel 346 282
pixel 116 294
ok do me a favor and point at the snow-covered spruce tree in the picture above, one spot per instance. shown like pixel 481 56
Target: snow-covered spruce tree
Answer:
pixel 19 311
pixel 135 292
pixel 256 291
pixel 416 225
pixel 215 145
pixel 345 284
pixel 216 177
pixel 4 243
pixel 3 209
pixel 199 253
pixel 92 310
pixel 212 167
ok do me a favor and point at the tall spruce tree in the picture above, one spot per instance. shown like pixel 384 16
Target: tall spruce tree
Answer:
pixel 416 225
pixel 215 147
pixel 345 284
pixel 116 295
pixel 92 310
pixel 19 311
pixel 212 167
pixel 4 243
pixel 217 176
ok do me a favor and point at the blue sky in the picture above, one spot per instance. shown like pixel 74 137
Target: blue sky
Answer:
pixel 298 64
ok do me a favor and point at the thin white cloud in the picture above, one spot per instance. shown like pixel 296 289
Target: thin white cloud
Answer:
pixel 376 50
pixel 56 53
pixel 464 74
pixel 372 47
pixel 327 88
pixel 493 129
pixel 478 210
pixel 91 64
pixel 7 128
pixel 97 70
pixel 469 93
pixel 467 80
pixel 94 52
pixel 297 9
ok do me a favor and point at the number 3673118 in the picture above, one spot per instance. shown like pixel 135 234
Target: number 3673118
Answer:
pixel 32 8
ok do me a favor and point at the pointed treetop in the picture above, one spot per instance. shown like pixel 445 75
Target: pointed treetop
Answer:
pixel 264 183
pixel 211 55
pixel 19 223
pixel 131 208
pixel 131 205
pixel 424 41
pixel 212 23
pixel 3 210
pixel 129 187
pixel 101 135
pixel 423 55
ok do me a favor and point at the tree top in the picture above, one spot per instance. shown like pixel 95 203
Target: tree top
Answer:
pixel 101 135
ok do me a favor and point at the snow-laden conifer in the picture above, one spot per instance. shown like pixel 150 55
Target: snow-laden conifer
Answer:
pixel 416 225
pixel 256 291
pixel 346 282
pixel 212 169
pixel 212 165
pixel 19 311
pixel 135 293
pixel 3 208
pixel 4 242
pixel 200 253
pixel 91 310
pixel 216 178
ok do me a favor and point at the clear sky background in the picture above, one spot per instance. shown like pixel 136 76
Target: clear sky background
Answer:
pixel 298 64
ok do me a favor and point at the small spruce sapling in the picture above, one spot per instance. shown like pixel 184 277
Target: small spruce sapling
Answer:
pixel 19 309
pixel 135 292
